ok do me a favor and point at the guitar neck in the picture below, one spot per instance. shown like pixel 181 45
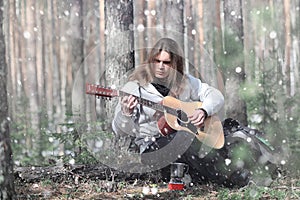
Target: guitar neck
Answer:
pixel 109 93
pixel 145 102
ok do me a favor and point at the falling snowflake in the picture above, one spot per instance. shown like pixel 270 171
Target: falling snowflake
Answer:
pixel 26 35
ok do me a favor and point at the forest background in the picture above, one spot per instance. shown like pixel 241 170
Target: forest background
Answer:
pixel 247 49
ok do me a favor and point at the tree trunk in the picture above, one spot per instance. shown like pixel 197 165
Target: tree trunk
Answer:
pixel 10 46
pixel 40 72
pixel 31 78
pixel 77 61
pixel 287 67
pixel 171 15
pixel 201 66
pixel 119 57
pixel 49 60
pixel 101 52
pixel 77 51
pixel 151 22
pixel 189 39
pixel 140 33
pixel 248 40
pixel 235 107
pixel 6 163
pixel 217 46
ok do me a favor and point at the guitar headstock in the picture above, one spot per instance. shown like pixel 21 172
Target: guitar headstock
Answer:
pixel 98 90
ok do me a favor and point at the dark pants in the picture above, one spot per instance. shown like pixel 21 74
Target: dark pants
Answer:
pixel 205 164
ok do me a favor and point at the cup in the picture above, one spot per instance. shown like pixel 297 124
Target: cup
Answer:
pixel 178 170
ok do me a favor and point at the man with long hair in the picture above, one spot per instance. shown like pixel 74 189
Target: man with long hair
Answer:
pixel 163 75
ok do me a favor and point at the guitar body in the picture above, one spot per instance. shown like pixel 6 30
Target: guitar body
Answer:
pixel 212 132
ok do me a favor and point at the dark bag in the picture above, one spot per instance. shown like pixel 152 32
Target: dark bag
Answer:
pixel 248 150
pixel 246 156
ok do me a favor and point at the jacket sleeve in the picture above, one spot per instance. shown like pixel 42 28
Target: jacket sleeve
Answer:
pixel 212 99
pixel 123 125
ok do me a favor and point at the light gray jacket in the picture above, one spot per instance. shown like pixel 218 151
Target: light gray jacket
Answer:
pixel 143 124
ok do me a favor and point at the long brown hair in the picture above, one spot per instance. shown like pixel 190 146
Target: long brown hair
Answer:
pixel 144 73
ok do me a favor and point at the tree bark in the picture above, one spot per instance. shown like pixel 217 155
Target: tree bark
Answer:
pixel 11 61
pixel 49 59
pixel 217 46
pixel 171 20
pixel 248 40
pixel 201 38
pixel 151 22
pixel 287 67
pixel 77 48
pixel 189 37
pixel 235 107
pixel 6 163
pixel 119 57
pixel 140 33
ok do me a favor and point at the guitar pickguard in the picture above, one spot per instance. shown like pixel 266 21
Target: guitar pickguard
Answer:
pixel 183 121
pixel 188 125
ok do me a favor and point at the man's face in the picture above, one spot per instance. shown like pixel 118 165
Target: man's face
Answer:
pixel 162 65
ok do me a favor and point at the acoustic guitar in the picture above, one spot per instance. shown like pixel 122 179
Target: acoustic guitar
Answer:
pixel 173 116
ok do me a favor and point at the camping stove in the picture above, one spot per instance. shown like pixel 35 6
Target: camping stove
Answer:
pixel 178 170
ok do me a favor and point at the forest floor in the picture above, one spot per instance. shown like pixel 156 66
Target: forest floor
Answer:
pixel 84 188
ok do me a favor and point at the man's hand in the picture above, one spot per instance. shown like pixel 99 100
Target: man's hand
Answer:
pixel 128 103
pixel 198 117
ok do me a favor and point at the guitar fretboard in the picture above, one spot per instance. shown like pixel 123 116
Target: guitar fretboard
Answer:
pixel 150 104
pixel 106 92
